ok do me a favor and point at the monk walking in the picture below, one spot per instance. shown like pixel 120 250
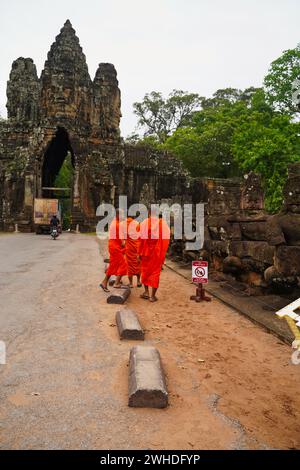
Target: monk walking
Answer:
pixel 132 250
pixel 154 243
pixel 116 246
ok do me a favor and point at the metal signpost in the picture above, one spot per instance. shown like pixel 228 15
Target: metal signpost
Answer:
pixel 200 277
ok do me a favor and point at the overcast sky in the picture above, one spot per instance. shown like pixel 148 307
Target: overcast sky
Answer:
pixel 193 45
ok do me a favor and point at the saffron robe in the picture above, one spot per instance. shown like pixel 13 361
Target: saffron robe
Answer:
pixel 117 260
pixel 132 247
pixel 154 243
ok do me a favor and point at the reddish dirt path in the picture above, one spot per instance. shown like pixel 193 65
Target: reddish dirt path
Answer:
pixel 231 383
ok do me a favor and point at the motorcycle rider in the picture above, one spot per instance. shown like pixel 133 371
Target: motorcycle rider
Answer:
pixel 54 222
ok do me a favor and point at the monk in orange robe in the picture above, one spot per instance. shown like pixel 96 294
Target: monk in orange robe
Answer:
pixel 117 260
pixel 132 250
pixel 154 243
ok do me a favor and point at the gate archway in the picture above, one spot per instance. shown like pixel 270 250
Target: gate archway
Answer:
pixel 58 172
pixel 54 158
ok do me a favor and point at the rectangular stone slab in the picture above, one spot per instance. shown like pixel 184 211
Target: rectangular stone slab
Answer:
pixel 119 296
pixel 128 325
pixel 147 385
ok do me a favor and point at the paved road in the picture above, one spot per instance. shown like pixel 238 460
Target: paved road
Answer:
pixel 55 387
pixel 65 382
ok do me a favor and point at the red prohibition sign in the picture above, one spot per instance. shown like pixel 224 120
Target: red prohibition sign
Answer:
pixel 200 272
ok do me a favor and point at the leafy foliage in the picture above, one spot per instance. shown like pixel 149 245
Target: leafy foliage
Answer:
pixel 65 176
pixel 279 81
pixel 147 141
pixel 64 179
pixel 160 117
pixel 205 147
pixel 266 145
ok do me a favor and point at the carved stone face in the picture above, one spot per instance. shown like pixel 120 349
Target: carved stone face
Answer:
pixel 224 201
pixel 252 194
pixel 291 194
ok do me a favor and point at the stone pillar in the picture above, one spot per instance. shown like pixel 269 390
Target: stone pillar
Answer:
pixel 29 193
pixel 76 192
pixel 107 102
pixel 23 91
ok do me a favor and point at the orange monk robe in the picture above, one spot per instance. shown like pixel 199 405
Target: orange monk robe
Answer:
pixel 117 260
pixel 132 247
pixel 154 243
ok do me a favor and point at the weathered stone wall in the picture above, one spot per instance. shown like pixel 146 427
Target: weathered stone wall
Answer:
pixel 283 234
pixel 236 221
pixel 151 176
pixel 242 240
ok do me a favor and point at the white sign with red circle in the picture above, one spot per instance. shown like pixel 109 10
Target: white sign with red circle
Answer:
pixel 200 272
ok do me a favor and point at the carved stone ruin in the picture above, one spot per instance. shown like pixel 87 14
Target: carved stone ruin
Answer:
pixel 63 111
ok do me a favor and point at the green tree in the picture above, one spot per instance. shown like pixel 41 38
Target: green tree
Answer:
pixel 65 176
pixel 280 82
pixel 64 179
pixel 189 146
pixel 205 145
pixel 146 141
pixel 266 145
pixel 228 96
pixel 159 117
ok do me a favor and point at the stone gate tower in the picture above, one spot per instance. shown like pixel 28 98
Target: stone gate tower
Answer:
pixel 64 111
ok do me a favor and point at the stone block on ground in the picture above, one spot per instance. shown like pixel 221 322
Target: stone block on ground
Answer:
pixel 128 325
pixel 147 385
pixel 118 296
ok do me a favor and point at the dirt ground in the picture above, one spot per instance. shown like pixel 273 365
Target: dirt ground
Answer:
pixel 223 365
pixel 231 384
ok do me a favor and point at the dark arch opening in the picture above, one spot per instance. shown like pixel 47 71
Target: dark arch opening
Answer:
pixel 57 173
pixel 54 158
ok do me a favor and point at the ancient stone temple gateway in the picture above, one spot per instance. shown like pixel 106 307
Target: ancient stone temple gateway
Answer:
pixel 64 111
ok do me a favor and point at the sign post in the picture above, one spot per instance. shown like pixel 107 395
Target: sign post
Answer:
pixel 200 277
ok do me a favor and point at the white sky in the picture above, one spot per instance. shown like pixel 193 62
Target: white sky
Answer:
pixel 193 45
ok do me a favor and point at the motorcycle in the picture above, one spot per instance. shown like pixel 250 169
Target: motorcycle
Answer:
pixel 54 233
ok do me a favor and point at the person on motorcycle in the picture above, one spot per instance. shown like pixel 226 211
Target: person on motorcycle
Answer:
pixel 54 222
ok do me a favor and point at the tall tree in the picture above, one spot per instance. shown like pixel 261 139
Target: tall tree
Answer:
pixel 159 117
pixel 281 82
pixel 205 145
pixel 266 143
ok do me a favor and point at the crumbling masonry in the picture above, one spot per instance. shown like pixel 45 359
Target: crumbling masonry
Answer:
pixel 243 241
